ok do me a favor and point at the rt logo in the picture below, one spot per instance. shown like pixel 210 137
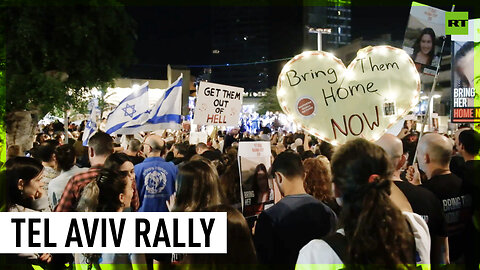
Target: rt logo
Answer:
pixel 456 23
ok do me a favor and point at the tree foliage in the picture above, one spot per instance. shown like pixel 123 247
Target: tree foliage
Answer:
pixel 56 53
pixel 269 102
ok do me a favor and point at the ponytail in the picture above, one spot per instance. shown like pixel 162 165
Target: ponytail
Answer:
pixel 374 225
pixel 89 199
pixel 377 233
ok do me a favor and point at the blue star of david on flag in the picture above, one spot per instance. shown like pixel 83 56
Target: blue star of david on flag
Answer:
pixel 129 112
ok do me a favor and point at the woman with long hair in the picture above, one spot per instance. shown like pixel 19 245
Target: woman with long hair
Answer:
pixel 318 181
pixel 240 249
pixel 120 162
pixel 374 232
pixel 424 47
pixel 24 185
pixel 111 192
pixel 198 187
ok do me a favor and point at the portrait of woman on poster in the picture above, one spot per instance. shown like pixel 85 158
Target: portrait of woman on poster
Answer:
pixel 464 68
pixel 424 48
pixel 261 189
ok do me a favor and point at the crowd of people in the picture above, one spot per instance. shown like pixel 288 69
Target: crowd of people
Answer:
pixel 359 205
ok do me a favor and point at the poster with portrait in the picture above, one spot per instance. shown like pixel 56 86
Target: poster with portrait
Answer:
pixel 424 37
pixel 465 87
pixel 257 186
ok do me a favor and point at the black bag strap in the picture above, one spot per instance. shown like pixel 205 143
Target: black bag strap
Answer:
pixel 338 242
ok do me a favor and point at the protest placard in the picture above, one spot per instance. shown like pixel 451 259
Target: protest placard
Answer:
pixel 198 137
pixel 379 87
pixel 465 64
pixel 254 164
pixel 424 36
pixel 218 104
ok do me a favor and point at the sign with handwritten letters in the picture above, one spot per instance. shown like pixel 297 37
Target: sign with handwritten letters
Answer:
pixel 379 87
pixel 218 104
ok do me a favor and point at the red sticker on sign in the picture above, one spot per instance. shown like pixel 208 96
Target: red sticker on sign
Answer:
pixel 306 106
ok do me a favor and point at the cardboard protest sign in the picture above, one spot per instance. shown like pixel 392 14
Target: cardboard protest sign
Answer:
pixel 198 137
pixel 254 164
pixel 424 36
pixel 379 87
pixel 218 104
pixel 465 64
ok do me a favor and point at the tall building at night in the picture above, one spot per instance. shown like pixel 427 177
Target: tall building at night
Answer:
pixel 333 14
pixel 254 34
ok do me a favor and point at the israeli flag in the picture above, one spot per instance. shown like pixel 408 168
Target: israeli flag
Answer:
pixel 91 126
pixel 130 108
pixel 165 114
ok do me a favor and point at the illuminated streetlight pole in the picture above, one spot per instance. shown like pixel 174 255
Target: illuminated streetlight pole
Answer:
pixel 319 32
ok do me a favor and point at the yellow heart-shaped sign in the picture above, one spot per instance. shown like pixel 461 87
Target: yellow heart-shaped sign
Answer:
pixel 379 87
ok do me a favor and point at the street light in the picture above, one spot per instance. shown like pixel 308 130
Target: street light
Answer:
pixel 319 32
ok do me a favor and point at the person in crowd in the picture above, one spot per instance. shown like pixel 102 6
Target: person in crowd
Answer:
pixel 198 187
pixel 23 185
pixel 240 249
pixel 434 153
pixel 81 152
pixel 120 162
pixel 133 151
pixel 65 156
pixel 201 148
pixel 423 202
pixel 360 172
pixel 283 229
pixel 424 47
pixel 154 176
pixel 231 137
pixel 100 146
pixel 191 151
pixel 279 148
pixel 318 181
pixel 327 149
pixel 46 153
pixel 457 163
pixel 468 145
pixel 111 191
pixel 179 152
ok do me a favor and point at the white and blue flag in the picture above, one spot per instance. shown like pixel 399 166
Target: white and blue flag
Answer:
pixel 165 114
pixel 91 126
pixel 130 108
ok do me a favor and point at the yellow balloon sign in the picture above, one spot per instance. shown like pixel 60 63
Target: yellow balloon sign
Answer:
pixel 379 87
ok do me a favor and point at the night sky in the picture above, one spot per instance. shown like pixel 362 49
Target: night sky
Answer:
pixel 182 35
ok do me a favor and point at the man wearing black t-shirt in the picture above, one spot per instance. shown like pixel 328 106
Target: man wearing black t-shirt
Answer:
pixel 133 149
pixel 422 201
pixel 468 146
pixel 283 229
pixel 434 153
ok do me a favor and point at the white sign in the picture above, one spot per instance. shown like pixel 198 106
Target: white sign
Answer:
pixel 218 104
pixel 198 137
pixel 112 232
pixel 337 103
